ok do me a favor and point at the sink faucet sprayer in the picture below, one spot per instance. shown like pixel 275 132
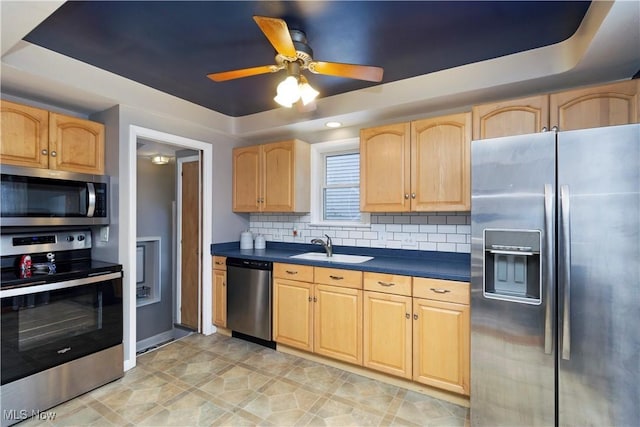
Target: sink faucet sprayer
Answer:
pixel 328 247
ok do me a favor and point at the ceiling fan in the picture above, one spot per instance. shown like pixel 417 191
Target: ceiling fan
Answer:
pixel 295 56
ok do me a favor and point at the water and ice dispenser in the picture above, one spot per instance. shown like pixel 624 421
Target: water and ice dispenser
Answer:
pixel 512 269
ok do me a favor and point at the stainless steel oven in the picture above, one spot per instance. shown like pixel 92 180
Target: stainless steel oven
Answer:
pixel 43 197
pixel 61 321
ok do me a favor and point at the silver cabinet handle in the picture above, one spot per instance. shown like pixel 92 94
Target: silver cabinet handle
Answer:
pixel 310 299
pixel 415 317
pixel 440 291
pixel 219 263
pixel 337 277
pixel 53 154
pixel 407 315
pixel 406 196
pixel 44 152
pixel 291 272
pixel 387 284
pixel 544 129
pixel 413 195
pixel 550 268
pixel 566 270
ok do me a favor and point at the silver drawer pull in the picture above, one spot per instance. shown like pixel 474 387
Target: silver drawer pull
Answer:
pixel 219 263
pixel 440 291
pixel 387 284
pixel 291 272
pixel 337 277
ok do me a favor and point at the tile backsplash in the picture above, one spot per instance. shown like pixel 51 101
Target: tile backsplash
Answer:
pixel 441 231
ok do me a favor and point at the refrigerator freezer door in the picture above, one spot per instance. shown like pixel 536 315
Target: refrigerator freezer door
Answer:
pixel 512 342
pixel 599 375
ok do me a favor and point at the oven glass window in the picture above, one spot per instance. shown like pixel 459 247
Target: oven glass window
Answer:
pixel 44 318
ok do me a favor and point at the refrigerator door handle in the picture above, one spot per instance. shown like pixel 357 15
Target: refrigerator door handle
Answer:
pixel 549 246
pixel 566 272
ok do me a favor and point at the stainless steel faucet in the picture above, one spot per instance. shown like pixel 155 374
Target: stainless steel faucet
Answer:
pixel 328 246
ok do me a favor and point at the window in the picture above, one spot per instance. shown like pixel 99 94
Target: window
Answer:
pixel 336 184
pixel 341 187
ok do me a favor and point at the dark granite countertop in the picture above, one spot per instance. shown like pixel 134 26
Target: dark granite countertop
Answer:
pixel 435 265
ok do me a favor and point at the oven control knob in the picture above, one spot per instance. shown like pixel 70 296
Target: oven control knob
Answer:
pixel 80 237
pixel 69 238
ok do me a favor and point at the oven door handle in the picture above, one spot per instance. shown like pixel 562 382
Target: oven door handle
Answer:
pixel 34 289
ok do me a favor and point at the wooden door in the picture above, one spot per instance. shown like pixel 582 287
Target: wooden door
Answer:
pixel 608 105
pixel 278 174
pixel 387 333
pixel 441 163
pixel 24 137
pixel 190 259
pixel 337 323
pixel 293 313
pixel 220 298
pixel 511 117
pixel 385 168
pixel 246 179
pixel 76 145
pixel 441 345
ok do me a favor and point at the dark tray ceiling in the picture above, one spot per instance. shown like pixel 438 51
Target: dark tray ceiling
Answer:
pixel 172 46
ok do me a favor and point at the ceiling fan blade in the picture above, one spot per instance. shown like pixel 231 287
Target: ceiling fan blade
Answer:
pixel 277 32
pixel 360 72
pixel 245 72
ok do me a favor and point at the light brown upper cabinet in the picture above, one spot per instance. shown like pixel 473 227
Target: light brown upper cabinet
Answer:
pixel 421 166
pixel 512 117
pixel 608 105
pixel 596 106
pixel 272 177
pixel 38 138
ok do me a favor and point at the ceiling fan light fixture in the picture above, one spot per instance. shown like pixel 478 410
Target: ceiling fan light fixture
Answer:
pixel 307 93
pixel 288 92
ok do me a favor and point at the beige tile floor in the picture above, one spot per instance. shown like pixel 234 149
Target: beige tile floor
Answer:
pixel 223 381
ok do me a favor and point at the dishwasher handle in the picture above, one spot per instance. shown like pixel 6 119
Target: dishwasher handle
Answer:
pixel 250 263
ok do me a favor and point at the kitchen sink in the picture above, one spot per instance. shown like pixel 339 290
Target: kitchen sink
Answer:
pixel 344 258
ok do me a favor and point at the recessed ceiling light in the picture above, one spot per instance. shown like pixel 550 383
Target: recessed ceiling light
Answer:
pixel 333 124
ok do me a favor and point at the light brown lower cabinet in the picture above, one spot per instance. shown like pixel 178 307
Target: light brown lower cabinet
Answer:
pixel 413 328
pixel 219 291
pixel 316 317
pixel 388 333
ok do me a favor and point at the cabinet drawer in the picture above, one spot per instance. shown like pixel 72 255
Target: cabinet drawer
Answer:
pixel 303 273
pixel 387 283
pixel 219 262
pixel 337 277
pixel 441 290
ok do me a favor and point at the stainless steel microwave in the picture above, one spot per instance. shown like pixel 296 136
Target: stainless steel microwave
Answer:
pixel 45 197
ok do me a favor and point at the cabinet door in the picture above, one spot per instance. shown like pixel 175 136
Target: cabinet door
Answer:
pixel 387 333
pixel 385 168
pixel 246 179
pixel 76 145
pixel 440 163
pixel 338 323
pixel 441 345
pixel 24 138
pixel 278 166
pixel 609 105
pixel 293 313
pixel 220 298
pixel 512 117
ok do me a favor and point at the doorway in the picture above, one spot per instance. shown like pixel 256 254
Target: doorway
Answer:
pixel 127 233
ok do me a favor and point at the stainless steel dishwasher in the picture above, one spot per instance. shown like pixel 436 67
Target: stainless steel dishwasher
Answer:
pixel 249 290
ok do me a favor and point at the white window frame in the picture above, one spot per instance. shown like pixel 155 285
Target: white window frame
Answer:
pixel 318 153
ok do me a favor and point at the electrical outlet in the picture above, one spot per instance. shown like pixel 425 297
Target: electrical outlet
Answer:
pixel 277 236
pixel 409 242
pixel 104 233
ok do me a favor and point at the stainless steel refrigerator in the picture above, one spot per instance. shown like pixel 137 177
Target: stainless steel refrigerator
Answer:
pixel 555 279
